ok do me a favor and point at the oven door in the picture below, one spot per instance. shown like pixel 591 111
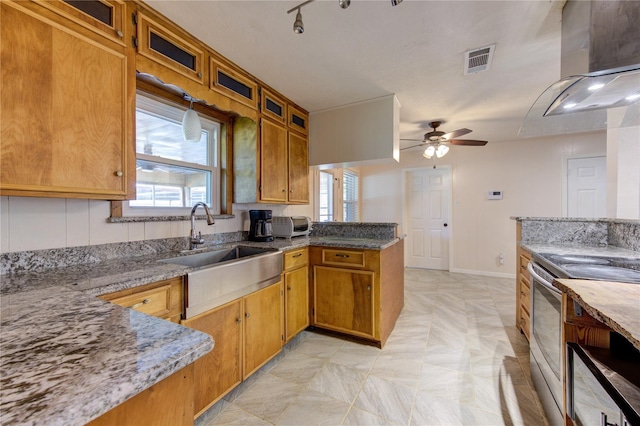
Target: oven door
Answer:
pixel 546 345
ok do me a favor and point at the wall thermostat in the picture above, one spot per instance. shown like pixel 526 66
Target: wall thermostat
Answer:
pixel 494 195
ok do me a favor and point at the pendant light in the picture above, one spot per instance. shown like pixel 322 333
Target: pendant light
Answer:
pixel 298 26
pixel 191 127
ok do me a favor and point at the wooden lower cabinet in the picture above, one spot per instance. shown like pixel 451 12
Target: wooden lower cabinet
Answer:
pixel 162 299
pixel 168 402
pixel 523 287
pixel 343 300
pixel 296 292
pixel 296 301
pixel 263 334
pixel 220 370
pixel 247 333
pixel 357 292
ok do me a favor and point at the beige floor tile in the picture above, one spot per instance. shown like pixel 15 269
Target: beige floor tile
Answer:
pixel 235 415
pixel 386 399
pixel 433 410
pixel 298 368
pixel 356 356
pixel 454 357
pixel 338 382
pixel 314 408
pixel 268 398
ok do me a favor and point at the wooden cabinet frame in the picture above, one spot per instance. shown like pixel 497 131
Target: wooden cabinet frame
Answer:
pixel 147 26
pixel 216 66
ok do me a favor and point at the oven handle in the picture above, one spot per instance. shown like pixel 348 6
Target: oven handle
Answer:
pixel 542 281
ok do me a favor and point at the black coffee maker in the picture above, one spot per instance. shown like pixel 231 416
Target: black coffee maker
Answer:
pixel 260 227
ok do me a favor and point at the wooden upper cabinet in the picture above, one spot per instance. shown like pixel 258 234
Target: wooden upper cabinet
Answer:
pixel 169 47
pixel 273 163
pixel 68 105
pixel 273 106
pixel 105 17
pixel 298 120
pixel 298 169
pixel 233 82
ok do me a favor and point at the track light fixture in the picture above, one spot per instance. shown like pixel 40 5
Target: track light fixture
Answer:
pixel 298 26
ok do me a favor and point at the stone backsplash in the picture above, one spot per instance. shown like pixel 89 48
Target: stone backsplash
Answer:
pixel 376 231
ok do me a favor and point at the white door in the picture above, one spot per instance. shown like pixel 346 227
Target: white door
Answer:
pixel 428 193
pixel 587 187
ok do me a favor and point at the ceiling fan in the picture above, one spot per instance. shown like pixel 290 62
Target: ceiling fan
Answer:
pixel 437 141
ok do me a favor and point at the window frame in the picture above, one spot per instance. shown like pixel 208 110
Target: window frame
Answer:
pixel 174 112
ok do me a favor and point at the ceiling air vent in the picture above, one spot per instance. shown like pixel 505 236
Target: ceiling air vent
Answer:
pixel 477 60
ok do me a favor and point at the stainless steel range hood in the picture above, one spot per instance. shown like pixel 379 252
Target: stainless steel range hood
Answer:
pixel 600 66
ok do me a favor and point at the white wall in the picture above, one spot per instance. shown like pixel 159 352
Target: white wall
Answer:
pixel 528 171
pixel 43 223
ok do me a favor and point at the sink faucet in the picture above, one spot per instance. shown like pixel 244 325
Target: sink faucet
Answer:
pixel 197 238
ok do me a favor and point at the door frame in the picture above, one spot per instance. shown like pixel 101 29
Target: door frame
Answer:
pixel 405 211
pixel 565 176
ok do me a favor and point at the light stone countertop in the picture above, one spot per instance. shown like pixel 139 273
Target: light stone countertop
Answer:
pixel 615 304
pixel 68 357
pixel 579 249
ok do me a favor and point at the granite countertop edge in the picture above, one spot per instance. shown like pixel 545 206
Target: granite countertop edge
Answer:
pixel 576 289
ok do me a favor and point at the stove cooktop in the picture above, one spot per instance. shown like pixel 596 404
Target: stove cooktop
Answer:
pixel 618 269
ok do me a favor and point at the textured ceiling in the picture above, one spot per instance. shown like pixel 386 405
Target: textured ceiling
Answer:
pixel 372 49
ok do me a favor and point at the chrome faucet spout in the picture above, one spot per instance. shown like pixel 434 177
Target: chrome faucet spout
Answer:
pixel 196 238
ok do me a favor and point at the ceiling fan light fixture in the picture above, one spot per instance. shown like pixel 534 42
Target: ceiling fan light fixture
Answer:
pixel 441 151
pixel 344 3
pixel 429 152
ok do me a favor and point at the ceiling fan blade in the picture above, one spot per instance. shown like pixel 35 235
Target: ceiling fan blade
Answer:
pixel 414 146
pixel 456 133
pixel 468 142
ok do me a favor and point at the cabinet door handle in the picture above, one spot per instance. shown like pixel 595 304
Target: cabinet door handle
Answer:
pixel 289 288
pixel 342 255
pixel 522 293
pixel 119 173
pixel 297 255
pixel 137 305
pixel 368 287
pixel 247 315
pixel 119 33
pixel 238 320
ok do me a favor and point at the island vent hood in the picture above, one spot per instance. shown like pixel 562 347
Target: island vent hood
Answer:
pixel 600 68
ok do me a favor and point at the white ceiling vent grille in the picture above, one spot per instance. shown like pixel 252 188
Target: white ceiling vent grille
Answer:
pixel 477 60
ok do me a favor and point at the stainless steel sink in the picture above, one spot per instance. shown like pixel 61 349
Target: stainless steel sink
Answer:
pixel 211 258
pixel 221 276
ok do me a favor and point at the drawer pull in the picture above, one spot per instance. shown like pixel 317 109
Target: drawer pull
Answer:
pixel 297 255
pixel 288 288
pixel 238 320
pixel 247 315
pixel 368 287
pixel 342 255
pixel 137 305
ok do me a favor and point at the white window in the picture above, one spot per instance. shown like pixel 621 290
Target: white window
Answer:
pixel 325 203
pixel 338 195
pixel 350 196
pixel 172 174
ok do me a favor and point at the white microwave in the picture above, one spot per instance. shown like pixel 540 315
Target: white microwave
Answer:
pixel 290 226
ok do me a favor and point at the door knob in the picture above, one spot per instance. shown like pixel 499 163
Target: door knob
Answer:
pixel 446 224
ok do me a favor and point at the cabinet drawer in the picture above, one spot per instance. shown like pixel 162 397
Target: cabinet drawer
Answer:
pixel 156 302
pixel 295 258
pixel 524 321
pixel 523 262
pixel 343 257
pixel 525 294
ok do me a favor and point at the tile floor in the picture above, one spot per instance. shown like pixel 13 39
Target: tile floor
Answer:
pixel 454 358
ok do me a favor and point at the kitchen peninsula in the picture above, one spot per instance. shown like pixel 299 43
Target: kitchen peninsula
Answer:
pixel 69 357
